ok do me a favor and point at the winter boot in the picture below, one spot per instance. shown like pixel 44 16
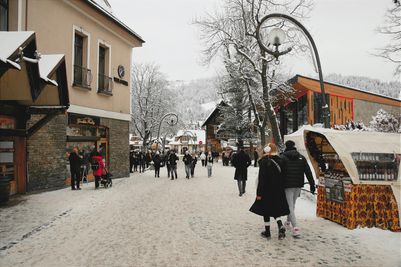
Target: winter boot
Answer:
pixel 281 230
pixel 296 233
pixel 266 232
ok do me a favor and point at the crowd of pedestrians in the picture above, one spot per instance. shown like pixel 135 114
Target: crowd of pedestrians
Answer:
pixel 279 184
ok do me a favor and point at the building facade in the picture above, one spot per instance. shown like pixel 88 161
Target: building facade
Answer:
pixel 98 53
pixel 345 104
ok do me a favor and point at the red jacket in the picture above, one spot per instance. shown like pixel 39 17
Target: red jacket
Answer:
pixel 99 171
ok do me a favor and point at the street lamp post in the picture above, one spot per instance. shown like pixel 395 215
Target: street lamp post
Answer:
pixel 276 38
pixel 173 120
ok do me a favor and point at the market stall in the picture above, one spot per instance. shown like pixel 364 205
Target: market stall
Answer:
pixel 358 175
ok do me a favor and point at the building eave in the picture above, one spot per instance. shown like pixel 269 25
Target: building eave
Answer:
pixel 115 20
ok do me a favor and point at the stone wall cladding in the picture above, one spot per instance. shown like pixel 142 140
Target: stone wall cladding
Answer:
pixel 46 154
pixel 118 146
pixel 364 110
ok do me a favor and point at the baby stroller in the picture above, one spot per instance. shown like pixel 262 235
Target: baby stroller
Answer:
pixel 106 180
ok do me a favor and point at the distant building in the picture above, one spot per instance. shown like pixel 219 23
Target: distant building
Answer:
pixel 191 140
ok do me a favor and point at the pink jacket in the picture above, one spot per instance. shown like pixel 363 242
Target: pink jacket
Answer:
pixel 99 171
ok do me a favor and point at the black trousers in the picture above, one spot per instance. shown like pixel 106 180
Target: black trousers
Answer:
pixel 97 180
pixel 203 163
pixel 192 170
pixel 241 186
pixel 75 178
pixel 157 171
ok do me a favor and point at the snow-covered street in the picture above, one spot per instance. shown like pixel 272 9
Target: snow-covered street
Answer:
pixel 147 221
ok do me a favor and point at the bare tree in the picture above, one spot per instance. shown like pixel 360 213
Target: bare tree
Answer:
pixel 234 28
pixel 150 100
pixel 392 27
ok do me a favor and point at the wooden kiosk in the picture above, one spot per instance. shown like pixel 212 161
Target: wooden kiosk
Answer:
pixel 358 175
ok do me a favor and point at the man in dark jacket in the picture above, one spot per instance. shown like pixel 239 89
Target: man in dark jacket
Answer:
pixel 157 163
pixel 75 168
pixel 296 167
pixel 241 161
pixel 187 162
pixel 173 164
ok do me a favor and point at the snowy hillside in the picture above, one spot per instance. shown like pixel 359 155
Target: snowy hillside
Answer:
pixel 194 99
pixel 392 89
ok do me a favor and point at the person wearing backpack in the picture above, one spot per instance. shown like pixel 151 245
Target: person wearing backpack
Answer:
pixel 270 196
pixel 97 168
pixel 296 167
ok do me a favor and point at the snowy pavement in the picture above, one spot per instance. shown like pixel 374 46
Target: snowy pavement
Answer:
pixel 147 221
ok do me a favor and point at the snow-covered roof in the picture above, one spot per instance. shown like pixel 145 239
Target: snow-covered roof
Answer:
pixel 346 87
pixel 11 42
pixel 105 8
pixel 222 103
pixel 47 64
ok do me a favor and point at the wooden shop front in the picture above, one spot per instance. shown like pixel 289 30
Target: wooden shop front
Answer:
pixel 358 175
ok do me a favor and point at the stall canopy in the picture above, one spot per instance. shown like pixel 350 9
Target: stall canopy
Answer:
pixel 347 142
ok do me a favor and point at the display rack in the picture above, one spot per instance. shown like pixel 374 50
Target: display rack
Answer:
pixel 377 166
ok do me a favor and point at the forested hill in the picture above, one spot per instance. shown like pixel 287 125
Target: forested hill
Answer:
pixel 190 98
pixel 392 89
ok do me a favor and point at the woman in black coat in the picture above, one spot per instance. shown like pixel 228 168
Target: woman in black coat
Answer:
pixel 270 196
pixel 241 162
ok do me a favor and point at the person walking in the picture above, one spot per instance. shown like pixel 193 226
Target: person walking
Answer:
pixel 270 196
pixel 296 167
pixel 167 162
pixel 187 159
pixel 173 164
pixel 98 168
pixel 255 158
pixel 209 164
pixel 157 163
pixel 203 159
pixel 135 161
pixel 75 168
pixel 131 161
pixel 193 164
pixel 142 161
pixel 241 161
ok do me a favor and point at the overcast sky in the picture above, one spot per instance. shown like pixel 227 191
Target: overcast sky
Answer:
pixel 344 32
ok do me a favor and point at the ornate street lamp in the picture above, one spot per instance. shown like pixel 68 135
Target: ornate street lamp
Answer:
pixel 276 38
pixel 172 119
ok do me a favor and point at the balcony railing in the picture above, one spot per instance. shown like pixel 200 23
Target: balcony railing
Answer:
pixel 82 77
pixel 105 84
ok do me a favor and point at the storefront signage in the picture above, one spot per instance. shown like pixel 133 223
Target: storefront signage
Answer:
pixel 7 122
pixel 83 120
pixel 334 190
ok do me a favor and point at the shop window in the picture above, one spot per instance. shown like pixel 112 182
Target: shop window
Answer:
pixel 105 82
pixel 302 111
pixel 82 75
pixel 318 104
pixel 3 15
pixel 7 160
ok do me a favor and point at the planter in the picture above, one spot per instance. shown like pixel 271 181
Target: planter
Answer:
pixel 4 189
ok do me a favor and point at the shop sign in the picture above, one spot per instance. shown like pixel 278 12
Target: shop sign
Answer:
pixel 83 120
pixel 347 186
pixel 7 122
pixel 334 190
